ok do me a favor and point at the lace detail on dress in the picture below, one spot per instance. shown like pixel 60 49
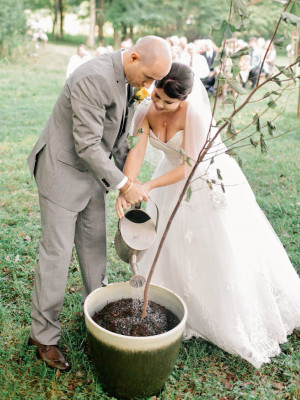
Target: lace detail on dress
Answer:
pixel 187 283
pixel 218 199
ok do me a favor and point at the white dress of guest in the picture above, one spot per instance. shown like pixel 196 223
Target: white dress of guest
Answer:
pixel 196 61
pixel 77 59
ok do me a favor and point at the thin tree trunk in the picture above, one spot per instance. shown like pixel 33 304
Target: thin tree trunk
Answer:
pixel 116 37
pixel 91 38
pixel 61 10
pixel 55 17
pixel 101 22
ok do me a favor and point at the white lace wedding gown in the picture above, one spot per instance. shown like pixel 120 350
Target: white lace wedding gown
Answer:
pixel 224 259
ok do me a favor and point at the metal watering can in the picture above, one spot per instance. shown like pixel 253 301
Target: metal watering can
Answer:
pixel 136 233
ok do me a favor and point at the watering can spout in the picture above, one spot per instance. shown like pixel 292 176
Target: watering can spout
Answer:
pixel 137 280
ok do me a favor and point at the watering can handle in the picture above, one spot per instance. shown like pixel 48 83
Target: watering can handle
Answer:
pixel 137 206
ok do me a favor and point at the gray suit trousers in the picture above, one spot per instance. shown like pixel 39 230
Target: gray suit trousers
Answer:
pixel 60 229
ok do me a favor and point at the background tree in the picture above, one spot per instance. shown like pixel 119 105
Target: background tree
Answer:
pixel 91 38
pixel 12 26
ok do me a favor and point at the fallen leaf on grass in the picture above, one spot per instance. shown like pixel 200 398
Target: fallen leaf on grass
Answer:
pixel 296 333
pixel 227 383
pixel 277 385
pixel 231 376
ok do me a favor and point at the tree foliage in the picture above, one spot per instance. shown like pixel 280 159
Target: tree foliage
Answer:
pixel 12 26
pixel 192 18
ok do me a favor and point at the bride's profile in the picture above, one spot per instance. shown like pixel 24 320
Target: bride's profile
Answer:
pixel 221 254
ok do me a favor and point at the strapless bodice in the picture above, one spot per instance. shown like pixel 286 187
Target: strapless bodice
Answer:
pixel 171 148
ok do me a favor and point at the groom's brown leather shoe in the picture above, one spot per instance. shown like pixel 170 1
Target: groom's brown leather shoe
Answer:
pixel 51 355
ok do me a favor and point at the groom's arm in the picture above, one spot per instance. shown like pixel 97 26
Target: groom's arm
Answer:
pixel 88 104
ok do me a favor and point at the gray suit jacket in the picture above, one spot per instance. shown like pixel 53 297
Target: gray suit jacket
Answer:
pixel 81 135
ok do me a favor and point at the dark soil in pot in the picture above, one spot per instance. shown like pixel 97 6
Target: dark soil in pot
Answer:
pixel 124 317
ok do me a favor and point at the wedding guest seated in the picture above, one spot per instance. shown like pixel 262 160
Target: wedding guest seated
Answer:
pixel 126 43
pixel 197 61
pixel 244 65
pixel 270 58
pixel 78 59
pixel 183 47
pixel 256 56
pixel 210 55
pixel 100 51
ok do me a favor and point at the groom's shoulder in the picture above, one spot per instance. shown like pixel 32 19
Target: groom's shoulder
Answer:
pixel 100 66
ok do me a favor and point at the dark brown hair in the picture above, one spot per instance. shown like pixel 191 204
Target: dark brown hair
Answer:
pixel 178 83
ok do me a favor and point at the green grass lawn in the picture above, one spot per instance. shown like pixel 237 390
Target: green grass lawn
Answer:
pixel 29 89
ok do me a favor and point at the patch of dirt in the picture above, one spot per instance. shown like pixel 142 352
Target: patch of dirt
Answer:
pixel 124 317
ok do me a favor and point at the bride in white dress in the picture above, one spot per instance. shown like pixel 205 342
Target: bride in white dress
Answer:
pixel 221 254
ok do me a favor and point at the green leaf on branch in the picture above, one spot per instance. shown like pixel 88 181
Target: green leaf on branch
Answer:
pixel 242 52
pixel 240 162
pixel 188 194
pixel 221 121
pixel 253 142
pixel 240 8
pixel 289 18
pixel 267 95
pixel 230 152
pixel 279 42
pixel 256 120
pixel 219 33
pixel 219 174
pixel 231 132
pixel 219 58
pixel 237 87
pixel 219 81
pixel 188 161
pixel 223 188
pixel 277 80
pixel 133 140
pixel 235 70
pixel 271 127
pixel 288 72
pixel 230 100
pixel 263 146
pixel 271 103
pixel 212 160
pixel 209 184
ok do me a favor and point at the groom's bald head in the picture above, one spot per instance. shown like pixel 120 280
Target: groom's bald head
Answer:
pixel 148 60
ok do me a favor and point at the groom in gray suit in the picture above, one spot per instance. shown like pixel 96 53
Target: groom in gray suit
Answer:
pixel 73 167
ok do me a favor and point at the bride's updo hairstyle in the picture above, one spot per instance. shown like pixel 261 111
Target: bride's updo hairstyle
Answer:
pixel 178 83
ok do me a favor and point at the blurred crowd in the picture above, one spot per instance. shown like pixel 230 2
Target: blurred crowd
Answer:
pixel 200 55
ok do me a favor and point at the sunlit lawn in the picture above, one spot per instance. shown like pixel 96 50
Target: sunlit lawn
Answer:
pixel 29 89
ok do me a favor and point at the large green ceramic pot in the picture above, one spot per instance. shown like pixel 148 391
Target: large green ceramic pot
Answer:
pixel 132 367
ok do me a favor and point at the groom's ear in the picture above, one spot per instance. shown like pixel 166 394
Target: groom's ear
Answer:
pixel 134 57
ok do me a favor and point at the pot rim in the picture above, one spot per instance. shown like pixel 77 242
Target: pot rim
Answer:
pixel 135 338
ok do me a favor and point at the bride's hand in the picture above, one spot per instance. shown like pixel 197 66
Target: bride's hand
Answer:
pixel 120 205
pixel 148 187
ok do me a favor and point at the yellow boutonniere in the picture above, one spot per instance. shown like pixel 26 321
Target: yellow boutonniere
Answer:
pixel 139 95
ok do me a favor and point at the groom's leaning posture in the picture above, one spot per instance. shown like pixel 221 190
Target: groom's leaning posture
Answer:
pixel 73 167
